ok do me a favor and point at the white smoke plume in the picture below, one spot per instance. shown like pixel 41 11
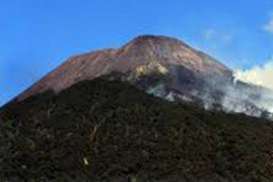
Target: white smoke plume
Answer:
pixel 263 77
pixel 258 75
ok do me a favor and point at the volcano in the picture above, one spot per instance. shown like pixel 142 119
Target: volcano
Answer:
pixel 142 56
pixel 100 117
pixel 163 66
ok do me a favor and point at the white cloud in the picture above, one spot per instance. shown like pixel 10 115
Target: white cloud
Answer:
pixel 269 25
pixel 217 36
pixel 259 75
pixel 262 76
pixel 209 34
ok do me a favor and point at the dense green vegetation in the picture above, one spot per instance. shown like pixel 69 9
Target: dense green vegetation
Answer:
pixel 109 131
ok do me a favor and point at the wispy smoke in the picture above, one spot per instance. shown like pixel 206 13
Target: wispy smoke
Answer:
pixel 258 75
pixel 233 96
pixel 261 76
pixel 244 92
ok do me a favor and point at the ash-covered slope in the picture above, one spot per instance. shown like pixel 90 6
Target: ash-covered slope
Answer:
pixel 163 66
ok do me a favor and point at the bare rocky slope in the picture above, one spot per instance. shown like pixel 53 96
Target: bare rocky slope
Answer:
pixel 141 56
pixel 165 67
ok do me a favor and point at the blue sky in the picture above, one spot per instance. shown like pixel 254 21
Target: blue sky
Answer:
pixel 38 35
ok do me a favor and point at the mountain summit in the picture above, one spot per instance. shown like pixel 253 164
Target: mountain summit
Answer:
pixel 139 55
pixel 163 66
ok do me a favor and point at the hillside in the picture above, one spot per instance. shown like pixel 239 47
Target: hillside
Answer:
pixel 165 67
pixel 103 130
pixel 141 56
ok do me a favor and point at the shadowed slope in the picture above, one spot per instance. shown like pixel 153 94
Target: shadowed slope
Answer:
pixel 101 130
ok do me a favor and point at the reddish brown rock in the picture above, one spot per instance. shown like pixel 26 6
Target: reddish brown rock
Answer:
pixel 140 54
